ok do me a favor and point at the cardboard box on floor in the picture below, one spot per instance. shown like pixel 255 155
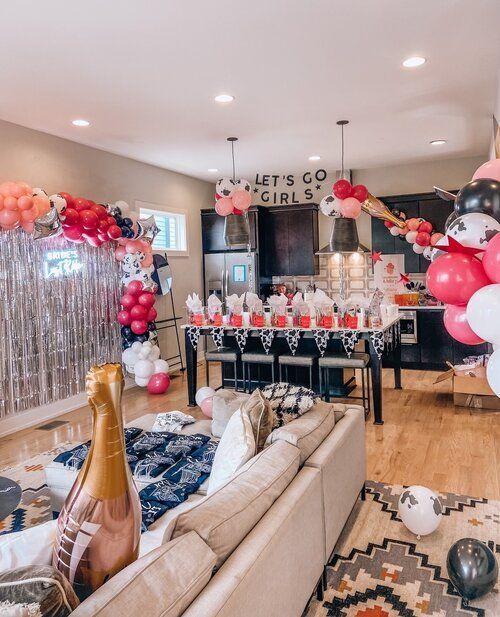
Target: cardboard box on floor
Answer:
pixel 471 389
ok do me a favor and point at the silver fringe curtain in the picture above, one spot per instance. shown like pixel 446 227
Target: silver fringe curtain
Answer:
pixel 58 305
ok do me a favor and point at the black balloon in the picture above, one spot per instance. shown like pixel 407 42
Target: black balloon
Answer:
pixel 482 195
pixel 141 338
pixel 472 568
pixel 128 222
pixel 127 333
pixel 450 220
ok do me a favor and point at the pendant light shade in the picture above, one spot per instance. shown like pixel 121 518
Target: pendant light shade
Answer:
pixel 236 231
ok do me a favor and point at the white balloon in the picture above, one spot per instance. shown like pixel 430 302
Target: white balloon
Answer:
pixel 326 204
pixel 411 236
pixel 136 347
pixel 161 366
pixel 428 251
pixel 203 393
pixel 225 187
pixel 472 229
pixel 493 372
pixel 495 346
pixel 130 369
pixel 483 313
pixel 394 231
pixel 123 205
pixel 144 368
pixel 154 354
pixel 420 510
pixel 129 357
pixel 142 382
pixel 243 185
pixel 418 249
pixel 58 202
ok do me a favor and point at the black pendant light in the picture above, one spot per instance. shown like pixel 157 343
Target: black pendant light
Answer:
pixel 236 226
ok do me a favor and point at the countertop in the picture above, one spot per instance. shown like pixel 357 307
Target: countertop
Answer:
pixel 422 308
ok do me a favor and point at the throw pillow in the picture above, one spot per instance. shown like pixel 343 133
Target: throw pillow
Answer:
pixel 259 412
pixel 236 447
pixel 224 404
pixel 27 547
pixel 39 585
pixel 288 401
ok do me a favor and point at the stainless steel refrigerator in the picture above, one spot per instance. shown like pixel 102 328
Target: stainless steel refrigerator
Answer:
pixel 230 273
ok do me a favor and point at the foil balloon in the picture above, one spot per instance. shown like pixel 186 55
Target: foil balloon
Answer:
pixel 147 229
pixel 98 529
pixel 374 207
pixel 47 225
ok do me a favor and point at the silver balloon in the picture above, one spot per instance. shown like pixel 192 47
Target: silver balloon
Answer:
pixel 47 225
pixel 147 229
pixel 472 568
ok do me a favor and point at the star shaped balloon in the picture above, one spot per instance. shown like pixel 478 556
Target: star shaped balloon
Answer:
pixel 376 256
pixel 454 246
pixel 403 278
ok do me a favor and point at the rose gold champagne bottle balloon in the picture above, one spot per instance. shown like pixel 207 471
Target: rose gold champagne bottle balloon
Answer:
pixel 98 529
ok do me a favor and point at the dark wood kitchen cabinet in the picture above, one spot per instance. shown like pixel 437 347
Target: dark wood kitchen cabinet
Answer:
pixel 289 239
pixel 425 205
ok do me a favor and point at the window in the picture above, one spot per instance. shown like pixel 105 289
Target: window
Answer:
pixel 172 225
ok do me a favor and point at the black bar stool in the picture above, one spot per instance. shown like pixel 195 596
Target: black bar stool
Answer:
pixel 340 361
pixel 223 355
pixel 257 358
pixel 305 360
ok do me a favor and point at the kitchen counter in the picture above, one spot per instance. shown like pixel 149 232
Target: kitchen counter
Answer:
pixel 422 308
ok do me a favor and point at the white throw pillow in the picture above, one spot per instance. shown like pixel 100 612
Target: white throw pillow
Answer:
pixel 223 407
pixel 236 447
pixel 32 546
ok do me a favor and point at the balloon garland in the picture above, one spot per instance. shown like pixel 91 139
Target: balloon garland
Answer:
pixel 81 220
pixel 232 196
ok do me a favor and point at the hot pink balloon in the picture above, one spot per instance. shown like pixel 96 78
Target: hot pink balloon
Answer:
pixel 120 253
pixel 206 406
pixel 158 383
pixel 242 200
pixel 491 259
pixel 455 322
pixel 224 206
pixel 490 169
pixel 350 208
pixel 454 277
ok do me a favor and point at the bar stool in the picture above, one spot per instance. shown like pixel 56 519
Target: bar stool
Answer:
pixel 223 355
pixel 339 361
pixel 305 360
pixel 257 358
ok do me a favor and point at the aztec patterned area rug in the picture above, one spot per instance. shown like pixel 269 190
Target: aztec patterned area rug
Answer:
pixel 380 569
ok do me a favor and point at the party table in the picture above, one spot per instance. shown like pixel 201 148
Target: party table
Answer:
pixel 379 342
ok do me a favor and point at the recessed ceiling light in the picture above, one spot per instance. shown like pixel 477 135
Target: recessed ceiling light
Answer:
pixel 414 61
pixel 314 157
pixel 213 170
pixel 80 122
pixel 437 142
pixel 224 98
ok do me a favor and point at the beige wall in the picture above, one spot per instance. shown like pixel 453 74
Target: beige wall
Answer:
pixel 59 165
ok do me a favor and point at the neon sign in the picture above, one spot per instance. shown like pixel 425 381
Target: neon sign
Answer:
pixel 60 263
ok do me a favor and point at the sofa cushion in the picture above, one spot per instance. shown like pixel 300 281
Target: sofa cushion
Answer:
pixel 40 585
pixel 226 516
pixel 224 404
pixel 163 583
pixel 236 447
pixel 308 431
pixel 288 401
pixel 260 414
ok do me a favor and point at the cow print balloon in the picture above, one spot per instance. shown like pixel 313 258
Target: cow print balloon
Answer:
pixel 474 230
pixel 243 185
pixel 225 187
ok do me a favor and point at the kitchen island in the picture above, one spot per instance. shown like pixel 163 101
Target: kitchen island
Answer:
pixel 380 342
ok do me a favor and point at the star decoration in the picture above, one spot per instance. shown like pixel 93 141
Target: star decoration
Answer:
pixel 404 278
pixel 256 190
pixel 318 186
pixel 454 246
pixel 376 256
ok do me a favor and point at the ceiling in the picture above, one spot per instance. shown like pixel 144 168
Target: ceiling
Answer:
pixel 145 74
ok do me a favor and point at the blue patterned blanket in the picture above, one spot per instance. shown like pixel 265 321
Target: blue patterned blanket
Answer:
pixel 180 462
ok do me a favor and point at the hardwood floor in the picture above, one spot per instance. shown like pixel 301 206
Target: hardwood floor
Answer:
pixel 425 439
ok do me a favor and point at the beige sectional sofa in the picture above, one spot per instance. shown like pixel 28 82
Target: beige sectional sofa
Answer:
pixel 257 546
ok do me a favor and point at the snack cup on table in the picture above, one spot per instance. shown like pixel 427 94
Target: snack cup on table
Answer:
pixel 351 320
pixel 215 318
pixel 324 316
pixel 278 318
pixel 196 318
pixel 257 319
pixel 236 318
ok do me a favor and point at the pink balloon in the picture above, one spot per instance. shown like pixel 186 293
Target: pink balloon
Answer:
pixel 158 383
pixel 120 253
pixel 25 202
pixel 147 261
pixel 29 215
pixel 454 277
pixel 42 203
pixel 224 206
pixel 435 238
pixel 7 188
pixel 144 246
pixel 491 259
pixel 242 200
pixel 490 169
pixel 206 406
pixel 9 219
pixel 350 208
pixel 10 203
pixel 455 322
pixel 132 246
pixel 28 227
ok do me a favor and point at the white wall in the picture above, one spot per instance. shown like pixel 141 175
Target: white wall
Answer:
pixel 60 165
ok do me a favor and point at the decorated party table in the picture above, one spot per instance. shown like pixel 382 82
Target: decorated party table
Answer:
pixel 379 341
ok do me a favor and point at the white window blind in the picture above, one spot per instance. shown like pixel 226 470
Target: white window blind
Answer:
pixel 172 226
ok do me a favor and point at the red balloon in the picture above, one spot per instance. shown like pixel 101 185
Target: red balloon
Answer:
pixel 342 189
pixel 80 203
pixel 491 259
pixel 124 318
pixel 111 220
pixel 67 197
pixel 454 277
pixel 152 314
pixel 103 227
pixel 425 227
pixel 139 326
pixel 71 217
pixel 423 238
pixel 73 233
pixel 138 311
pixel 128 301
pixel 455 322
pixel 90 220
pixel 94 241
pixel 388 224
pixel 238 212
pixel 158 383
pixel 134 288
pixel 360 192
pixel 114 232
pixel 101 211
pixel 147 299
